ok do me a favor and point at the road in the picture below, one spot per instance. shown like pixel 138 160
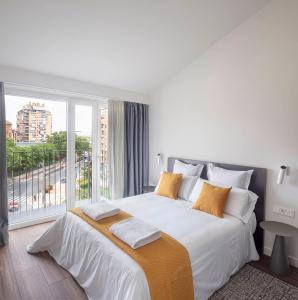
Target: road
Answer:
pixel 22 184
pixel 20 187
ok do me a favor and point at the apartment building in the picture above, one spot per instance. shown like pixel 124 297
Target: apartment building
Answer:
pixel 104 135
pixel 34 123
pixel 8 129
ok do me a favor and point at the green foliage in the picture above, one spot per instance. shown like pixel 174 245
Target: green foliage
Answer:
pixel 10 143
pixel 32 157
pixel 10 148
pixel 85 182
pixel 84 190
pixel 59 140
pixel 29 158
pixel 82 144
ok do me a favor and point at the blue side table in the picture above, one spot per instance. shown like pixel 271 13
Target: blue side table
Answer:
pixel 279 258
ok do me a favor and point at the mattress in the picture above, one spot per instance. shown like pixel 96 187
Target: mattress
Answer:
pixel 217 248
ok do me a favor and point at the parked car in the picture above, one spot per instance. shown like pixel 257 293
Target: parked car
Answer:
pixel 13 205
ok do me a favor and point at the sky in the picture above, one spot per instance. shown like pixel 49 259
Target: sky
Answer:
pixel 83 113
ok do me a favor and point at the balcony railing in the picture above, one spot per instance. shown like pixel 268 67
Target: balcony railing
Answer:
pixel 37 182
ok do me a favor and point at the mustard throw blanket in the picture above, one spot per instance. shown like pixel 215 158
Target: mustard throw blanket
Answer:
pixel 165 261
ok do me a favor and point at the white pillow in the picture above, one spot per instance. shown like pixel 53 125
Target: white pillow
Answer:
pixel 196 191
pixel 252 200
pixel 187 169
pixel 240 204
pixel 156 188
pixel 186 187
pixel 237 203
pixel 240 179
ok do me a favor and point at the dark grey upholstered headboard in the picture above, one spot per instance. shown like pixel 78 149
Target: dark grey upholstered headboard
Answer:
pixel 257 185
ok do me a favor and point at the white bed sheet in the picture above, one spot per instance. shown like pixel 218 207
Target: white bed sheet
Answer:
pixel 217 248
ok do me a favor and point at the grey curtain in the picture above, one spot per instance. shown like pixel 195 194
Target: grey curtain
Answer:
pixel 3 172
pixel 136 148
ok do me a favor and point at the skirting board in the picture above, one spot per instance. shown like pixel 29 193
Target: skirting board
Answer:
pixel 292 260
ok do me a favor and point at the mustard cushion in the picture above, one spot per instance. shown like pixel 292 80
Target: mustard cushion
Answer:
pixel 212 200
pixel 169 185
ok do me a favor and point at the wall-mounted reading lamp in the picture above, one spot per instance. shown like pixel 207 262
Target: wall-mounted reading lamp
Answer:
pixel 281 174
pixel 159 159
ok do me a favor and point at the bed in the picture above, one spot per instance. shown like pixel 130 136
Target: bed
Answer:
pixel 217 248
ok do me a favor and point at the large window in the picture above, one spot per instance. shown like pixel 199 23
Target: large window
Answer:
pixel 57 155
pixel 83 153
pixel 36 160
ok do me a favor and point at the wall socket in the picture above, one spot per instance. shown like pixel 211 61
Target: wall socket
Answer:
pixel 285 211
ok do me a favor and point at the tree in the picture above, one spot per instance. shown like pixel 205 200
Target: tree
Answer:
pixel 43 153
pixel 10 148
pixel 82 144
pixel 10 143
pixel 22 159
pixel 59 140
pixel 28 158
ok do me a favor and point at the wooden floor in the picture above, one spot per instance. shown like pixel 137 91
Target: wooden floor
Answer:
pixel 38 277
pixel 263 265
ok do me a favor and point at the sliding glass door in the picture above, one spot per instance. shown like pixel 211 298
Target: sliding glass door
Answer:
pixel 36 157
pixel 88 153
pixel 83 154
pixel 56 156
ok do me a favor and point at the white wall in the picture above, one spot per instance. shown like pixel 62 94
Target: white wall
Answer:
pixel 50 82
pixel 238 103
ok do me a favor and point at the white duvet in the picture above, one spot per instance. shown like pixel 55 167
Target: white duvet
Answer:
pixel 217 248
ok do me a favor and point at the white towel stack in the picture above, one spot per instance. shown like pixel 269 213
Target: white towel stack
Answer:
pixel 135 232
pixel 99 210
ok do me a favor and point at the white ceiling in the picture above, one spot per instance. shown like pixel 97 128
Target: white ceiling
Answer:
pixel 129 44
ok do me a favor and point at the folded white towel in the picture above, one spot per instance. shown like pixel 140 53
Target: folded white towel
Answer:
pixel 135 232
pixel 99 210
